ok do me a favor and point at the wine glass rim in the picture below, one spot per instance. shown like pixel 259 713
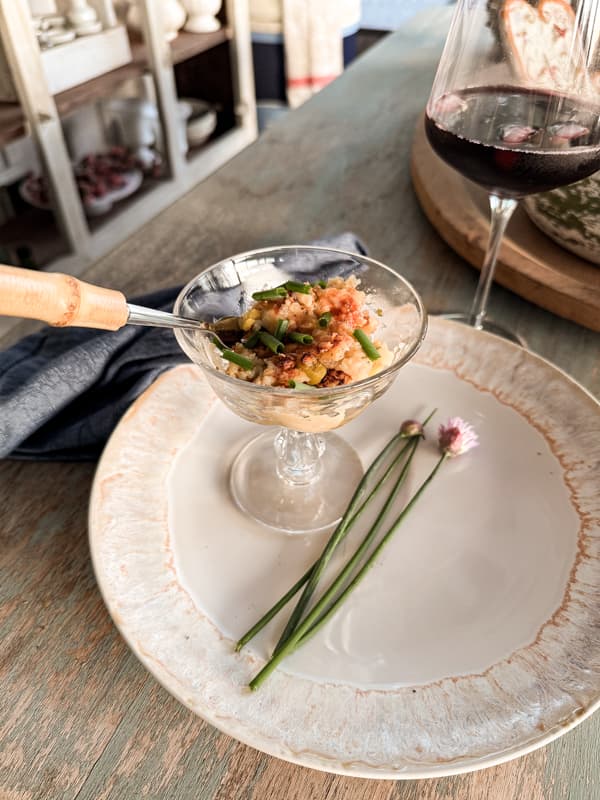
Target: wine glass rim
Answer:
pixel 322 391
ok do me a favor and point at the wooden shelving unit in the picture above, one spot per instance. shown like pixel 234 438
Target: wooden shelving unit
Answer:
pixel 185 46
pixel 48 244
pixel 188 45
pixel 40 113
pixel 12 123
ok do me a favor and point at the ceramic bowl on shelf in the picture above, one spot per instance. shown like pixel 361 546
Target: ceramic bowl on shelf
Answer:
pixel 201 123
pixel 570 215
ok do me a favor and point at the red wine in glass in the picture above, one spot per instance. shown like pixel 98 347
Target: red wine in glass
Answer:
pixel 532 122
pixel 515 141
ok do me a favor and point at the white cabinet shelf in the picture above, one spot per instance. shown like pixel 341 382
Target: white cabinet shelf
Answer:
pixel 39 113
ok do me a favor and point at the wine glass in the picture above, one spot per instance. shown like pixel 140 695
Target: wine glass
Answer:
pixel 514 108
pixel 298 477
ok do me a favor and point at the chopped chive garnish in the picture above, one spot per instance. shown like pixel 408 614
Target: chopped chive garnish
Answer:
pixel 252 340
pixel 236 358
pixel 367 345
pixel 281 329
pixel 270 341
pixel 301 386
pixel 322 284
pixel 325 319
pixel 296 286
pixel 300 338
pixel 271 294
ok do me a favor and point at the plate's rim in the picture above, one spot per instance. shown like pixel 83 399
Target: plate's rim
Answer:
pixel 312 760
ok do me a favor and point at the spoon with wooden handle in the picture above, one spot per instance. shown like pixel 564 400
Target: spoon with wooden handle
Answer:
pixel 62 301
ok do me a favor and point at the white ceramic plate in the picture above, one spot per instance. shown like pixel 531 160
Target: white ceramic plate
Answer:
pixel 472 641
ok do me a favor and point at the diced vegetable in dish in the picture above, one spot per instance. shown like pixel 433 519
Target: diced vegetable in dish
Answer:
pixel 302 334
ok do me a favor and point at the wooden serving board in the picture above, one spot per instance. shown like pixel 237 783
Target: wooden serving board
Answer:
pixel 530 263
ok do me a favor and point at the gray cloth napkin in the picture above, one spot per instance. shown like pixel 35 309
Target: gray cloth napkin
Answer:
pixel 63 390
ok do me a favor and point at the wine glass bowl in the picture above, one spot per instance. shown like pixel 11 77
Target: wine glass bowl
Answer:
pixel 311 472
pixel 515 108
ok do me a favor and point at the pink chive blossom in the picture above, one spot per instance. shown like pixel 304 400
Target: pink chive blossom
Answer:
pixel 410 427
pixel 456 437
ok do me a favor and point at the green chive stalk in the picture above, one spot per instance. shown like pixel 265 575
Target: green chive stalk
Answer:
pixel 300 338
pixel 252 340
pixel 270 341
pixel 281 329
pixel 296 286
pixel 236 358
pixel 367 345
pixel 351 515
pixel 329 603
pixel 332 544
pixel 343 528
pixel 271 294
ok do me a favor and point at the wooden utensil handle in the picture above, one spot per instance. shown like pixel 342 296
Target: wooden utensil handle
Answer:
pixel 60 300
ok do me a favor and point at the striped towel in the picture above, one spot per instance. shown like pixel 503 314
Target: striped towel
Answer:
pixel 312 35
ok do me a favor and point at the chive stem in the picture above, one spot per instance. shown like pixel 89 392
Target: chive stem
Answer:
pixel 322 611
pixel 339 533
pixel 324 319
pixel 270 341
pixel 374 555
pixel 252 340
pixel 336 537
pixel 297 286
pixel 271 294
pixel 273 611
pixel 300 338
pixel 349 518
pixel 367 345
pixel 281 329
pixel 236 358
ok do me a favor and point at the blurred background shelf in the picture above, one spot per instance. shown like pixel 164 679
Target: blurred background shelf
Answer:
pixel 47 134
pixel 187 45
pixel 12 122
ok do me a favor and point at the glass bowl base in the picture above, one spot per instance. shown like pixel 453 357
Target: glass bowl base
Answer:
pixel 307 508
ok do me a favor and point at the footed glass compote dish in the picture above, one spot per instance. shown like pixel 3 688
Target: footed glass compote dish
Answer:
pixel 297 476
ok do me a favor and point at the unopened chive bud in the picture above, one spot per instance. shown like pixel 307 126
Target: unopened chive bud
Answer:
pixel 411 427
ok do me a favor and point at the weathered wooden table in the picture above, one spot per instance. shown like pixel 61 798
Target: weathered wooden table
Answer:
pixel 80 718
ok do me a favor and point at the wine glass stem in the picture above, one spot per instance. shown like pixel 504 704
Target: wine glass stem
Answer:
pixel 298 456
pixel 501 209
